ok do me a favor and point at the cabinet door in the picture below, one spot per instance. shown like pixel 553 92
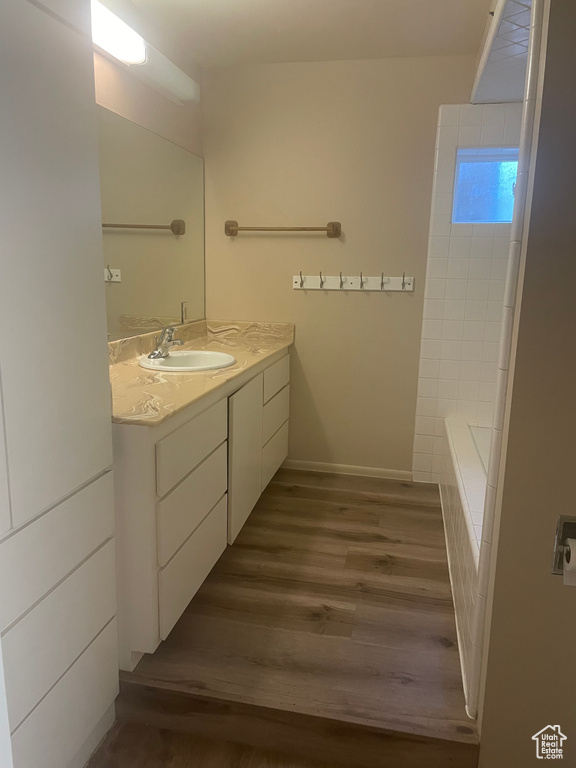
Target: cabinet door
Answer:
pixel 244 453
pixel 53 351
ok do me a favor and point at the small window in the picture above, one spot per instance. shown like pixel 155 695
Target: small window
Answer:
pixel 484 185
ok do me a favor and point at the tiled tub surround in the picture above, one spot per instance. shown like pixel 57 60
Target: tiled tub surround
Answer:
pixel 464 291
pixel 482 438
pixel 470 474
pixel 463 491
pixel 148 398
pixel 463 310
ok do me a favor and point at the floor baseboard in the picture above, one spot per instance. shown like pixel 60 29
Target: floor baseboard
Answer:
pixel 348 469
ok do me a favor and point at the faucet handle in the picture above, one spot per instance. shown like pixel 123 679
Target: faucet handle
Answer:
pixel 167 334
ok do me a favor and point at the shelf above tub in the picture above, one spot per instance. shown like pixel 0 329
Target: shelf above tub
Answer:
pixel 501 73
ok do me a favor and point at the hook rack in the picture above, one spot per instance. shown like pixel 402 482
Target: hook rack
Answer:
pixel 359 282
pixel 112 275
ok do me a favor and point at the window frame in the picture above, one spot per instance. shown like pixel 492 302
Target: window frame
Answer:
pixel 480 155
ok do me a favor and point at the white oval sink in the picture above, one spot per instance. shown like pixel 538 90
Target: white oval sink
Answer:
pixel 186 361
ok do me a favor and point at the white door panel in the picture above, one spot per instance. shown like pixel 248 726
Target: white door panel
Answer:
pixel 53 351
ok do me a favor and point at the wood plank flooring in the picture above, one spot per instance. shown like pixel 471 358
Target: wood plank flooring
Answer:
pixel 326 630
pixel 136 746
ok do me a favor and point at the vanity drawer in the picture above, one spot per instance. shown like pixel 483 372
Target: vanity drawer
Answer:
pixel 180 513
pixel 274 453
pixel 178 453
pixel 276 377
pixel 275 413
pixel 182 577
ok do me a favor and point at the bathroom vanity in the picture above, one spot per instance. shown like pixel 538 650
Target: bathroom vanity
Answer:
pixel 192 454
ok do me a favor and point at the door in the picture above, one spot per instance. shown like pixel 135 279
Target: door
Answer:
pixel 55 389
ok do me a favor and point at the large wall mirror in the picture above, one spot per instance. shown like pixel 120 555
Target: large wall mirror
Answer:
pixel 146 179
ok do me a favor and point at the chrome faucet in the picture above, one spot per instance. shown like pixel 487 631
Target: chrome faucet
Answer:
pixel 165 343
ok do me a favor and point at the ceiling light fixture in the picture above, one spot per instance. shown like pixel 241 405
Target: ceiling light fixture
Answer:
pixel 115 38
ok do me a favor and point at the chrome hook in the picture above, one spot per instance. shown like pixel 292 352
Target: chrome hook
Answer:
pixel 301 280
pixel 110 275
pixel 403 281
pixel 361 280
pixel 322 281
pixel 341 281
pixel 382 281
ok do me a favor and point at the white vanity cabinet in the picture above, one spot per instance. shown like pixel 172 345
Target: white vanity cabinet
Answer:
pixel 258 440
pixel 191 518
pixel 275 418
pixel 244 453
pixel 184 488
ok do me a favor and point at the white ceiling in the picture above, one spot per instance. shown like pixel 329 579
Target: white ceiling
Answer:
pixel 223 32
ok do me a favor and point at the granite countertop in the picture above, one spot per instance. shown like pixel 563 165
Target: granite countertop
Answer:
pixel 148 398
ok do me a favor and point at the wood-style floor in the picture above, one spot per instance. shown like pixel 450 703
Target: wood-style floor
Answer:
pixel 326 630
pixel 137 746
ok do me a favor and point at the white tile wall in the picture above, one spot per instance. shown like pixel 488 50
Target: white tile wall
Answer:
pixel 464 291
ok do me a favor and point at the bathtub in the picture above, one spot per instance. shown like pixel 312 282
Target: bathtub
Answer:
pixel 482 437
pixel 466 450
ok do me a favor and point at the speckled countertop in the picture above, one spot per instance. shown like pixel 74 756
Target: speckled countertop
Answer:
pixel 147 398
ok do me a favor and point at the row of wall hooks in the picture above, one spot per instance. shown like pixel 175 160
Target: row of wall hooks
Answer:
pixel 360 282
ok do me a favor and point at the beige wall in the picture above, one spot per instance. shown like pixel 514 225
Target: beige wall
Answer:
pixel 531 675
pixel 304 144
